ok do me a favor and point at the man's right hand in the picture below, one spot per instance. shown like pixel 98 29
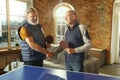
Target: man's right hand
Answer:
pixel 50 54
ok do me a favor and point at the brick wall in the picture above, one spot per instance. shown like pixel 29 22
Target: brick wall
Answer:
pixel 96 14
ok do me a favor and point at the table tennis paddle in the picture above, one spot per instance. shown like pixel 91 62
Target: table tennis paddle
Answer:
pixel 64 44
pixel 49 39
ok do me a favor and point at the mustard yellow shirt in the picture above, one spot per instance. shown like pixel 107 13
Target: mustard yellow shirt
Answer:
pixel 24 33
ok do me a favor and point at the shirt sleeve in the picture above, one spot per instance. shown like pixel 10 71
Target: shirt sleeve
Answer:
pixel 86 39
pixel 24 33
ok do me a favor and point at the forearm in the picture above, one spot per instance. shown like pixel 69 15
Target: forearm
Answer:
pixel 35 46
pixel 59 49
pixel 38 48
pixel 83 48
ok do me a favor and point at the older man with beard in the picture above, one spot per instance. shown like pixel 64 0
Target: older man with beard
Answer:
pixel 33 43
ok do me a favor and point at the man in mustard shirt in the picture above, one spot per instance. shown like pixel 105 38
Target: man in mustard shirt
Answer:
pixel 33 43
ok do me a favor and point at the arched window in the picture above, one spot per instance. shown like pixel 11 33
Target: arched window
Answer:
pixel 59 19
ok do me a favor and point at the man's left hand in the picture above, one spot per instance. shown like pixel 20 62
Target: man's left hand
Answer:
pixel 70 50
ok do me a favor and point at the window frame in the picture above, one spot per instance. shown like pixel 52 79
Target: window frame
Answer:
pixel 29 4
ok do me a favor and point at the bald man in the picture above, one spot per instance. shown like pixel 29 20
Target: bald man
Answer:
pixel 78 41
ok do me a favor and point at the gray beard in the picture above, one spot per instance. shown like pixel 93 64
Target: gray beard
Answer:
pixel 33 23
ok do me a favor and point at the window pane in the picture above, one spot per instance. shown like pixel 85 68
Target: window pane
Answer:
pixel 2 6
pixel 60 12
pixel 17 10
pixel 61 27
pixel 3 25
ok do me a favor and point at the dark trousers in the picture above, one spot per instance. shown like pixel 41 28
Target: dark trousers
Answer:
pixel 38 63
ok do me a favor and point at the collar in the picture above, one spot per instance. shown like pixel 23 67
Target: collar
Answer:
pixel 74 26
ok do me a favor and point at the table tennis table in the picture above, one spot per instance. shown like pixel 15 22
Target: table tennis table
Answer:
pixel 41 73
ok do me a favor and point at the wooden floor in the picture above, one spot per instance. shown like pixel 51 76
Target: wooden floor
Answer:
pixel 112 70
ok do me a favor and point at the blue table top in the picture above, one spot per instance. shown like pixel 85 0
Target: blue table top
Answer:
pixel 37 73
